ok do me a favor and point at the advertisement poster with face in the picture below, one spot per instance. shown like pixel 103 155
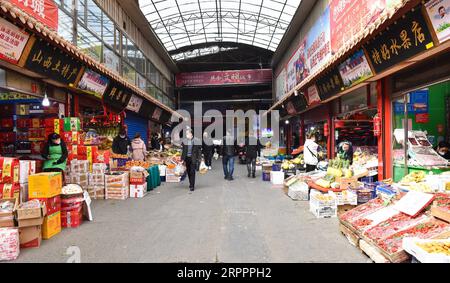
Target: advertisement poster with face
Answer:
pixel 355 69
pixel 291 75
pixel 439 14
pixel 318 46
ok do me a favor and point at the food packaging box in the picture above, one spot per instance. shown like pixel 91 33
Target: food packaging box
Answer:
pixel 138 178
pixel 9 191
pixel 97 179
pixel 54 125
pixel 23 193
pixel 71 218
pixel 26 168
pixel 37 123
pixel 7 123
pixel 72 124
pixel 119 179
pixel 173 179
pixel 30 237
pixel 9 170
pixel 79 166
pixel 37 147
pixel 9 244
pixel 44 185
pixel 96 192
pixel 440 213
pixel 52 204
pixel 138 191
pixel 7 217
pixel 70 138
pixel 348 183
pixel 119 193
pixel 99 168
pixel 81 179
pixel 31 214
pixel 100 156
pixel 51 225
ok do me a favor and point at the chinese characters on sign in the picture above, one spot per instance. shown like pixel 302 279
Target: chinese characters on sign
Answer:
pixel 330 84
pixel 44 11
pixel 407 38
pixel 318 46
pixel 224 77
pixel 312 95
pixel 12 41
pixel 52 63
pixel 116 97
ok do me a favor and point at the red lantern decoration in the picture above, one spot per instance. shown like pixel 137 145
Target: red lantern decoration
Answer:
pixel 377 126
pixel 326 130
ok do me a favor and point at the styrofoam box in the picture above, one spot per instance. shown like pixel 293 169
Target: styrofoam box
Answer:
pixel 409 245
pixel 316 203
pixel 324 212
pixel 277 178
pixel 299 191
pixel 162 170
pixel 172 179
pixel 348 197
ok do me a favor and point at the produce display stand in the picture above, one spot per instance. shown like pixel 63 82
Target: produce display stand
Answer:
pixel 351 236
pixel 314 186
pixel 440 213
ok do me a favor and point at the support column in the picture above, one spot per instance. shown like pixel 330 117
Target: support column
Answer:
pixel 385 140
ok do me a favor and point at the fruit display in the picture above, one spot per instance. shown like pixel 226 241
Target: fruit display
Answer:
pixel 363 210
pixel 298 160
pixel 392 226
pixel 326 181
pixel 414 177
pixel 339 168
pixel 436 247
pixel 442 201
pixel 426 230
pixel 373 219
pixel 288 165
pixel 420 187
pixel 132 163
pixel 119 156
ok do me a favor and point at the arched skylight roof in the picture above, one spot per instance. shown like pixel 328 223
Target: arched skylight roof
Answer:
pixel 181 23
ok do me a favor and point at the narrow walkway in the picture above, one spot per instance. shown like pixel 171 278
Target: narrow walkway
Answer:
pixel 241 221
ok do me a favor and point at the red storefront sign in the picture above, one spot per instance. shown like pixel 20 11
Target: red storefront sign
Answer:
pixel 237 77
pixel 423 118
pixel 349 17
pixel 45 11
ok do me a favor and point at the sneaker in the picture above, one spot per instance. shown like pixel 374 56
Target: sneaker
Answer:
pixel 230 178
pixel 209 168
pixel 191 189
pixel 253 176
pixel 226 178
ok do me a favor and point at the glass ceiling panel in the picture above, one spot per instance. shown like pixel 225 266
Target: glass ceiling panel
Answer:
pixel 181 23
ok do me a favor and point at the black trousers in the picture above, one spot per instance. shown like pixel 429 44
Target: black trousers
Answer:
pixel 208 157
pixel 251 165
pixel 310 168
pixel 190 170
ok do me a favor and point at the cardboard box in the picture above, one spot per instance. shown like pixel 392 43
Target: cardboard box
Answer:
pixel 119 179
pixel 138 191
pixel 99 168
pixel 71 218
pixel 138 178
pixel 23 193
pixel 72 124
pixel 7 218
pixel 348 183
pixel 9 191
pixel 9 170
pixel 52 204
pixel 9 244
pixel 30 237
pixel 37 148
pixel 44 185
pixel 81 179
pixel 51 225
pixel 79 166
pixel 70 138
pixel 28 217
pixel 54 125
pixel 26 168
pixel 96 192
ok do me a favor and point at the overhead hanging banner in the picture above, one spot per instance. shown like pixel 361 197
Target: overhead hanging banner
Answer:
pixel 281 85
pixel 44 11
pixel 157 113
pixel 355 69
pixel 439 14
pixel 93 83
pixel 330 84
pixel 349 17
pixel 318 48
pixel 297 69
pixel 219 78
pixel 12 41
pixel 52 63
pixel 409 37
pixel 135 103
pixel 116 97
pixel 146 109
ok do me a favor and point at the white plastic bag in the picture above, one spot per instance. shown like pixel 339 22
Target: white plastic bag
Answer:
pixel 203 168
pixel 216 156
pixel 179 170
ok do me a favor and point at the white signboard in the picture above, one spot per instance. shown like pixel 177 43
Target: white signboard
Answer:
pixel 12 41
pixel 135 103
pixel 313 95
pixel 439 13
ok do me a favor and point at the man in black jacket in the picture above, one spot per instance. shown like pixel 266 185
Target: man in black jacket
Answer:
pixel 191 156
pixel 228 153
pixel 252 151
pixel 121 143
pixel 208 149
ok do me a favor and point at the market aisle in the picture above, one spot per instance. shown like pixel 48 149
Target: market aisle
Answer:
pixel 241 221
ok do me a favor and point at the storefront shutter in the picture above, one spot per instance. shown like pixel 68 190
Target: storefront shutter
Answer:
pixel 137 124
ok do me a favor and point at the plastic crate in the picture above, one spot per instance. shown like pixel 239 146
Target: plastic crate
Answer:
pixel 324 212
pixel 315 203
pixel 266 176
pixel 368 179
pixel 276 167
pixel 365 194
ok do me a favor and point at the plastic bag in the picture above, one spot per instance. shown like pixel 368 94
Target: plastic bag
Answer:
pixel 203 168
pixel 216 156
pixel 179 170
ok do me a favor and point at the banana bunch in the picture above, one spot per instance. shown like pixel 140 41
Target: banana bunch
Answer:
pixel 414 177
pixel 436 247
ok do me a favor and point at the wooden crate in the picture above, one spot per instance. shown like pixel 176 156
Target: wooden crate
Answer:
pixel 372 252
pixel 351 237
pixel 344 208
pixel 398 257
pixel 440 213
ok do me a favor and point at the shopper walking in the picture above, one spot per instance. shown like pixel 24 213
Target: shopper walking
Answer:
pixel 208 149
pixel 252 151
pixel 311 152
pixel 345 151
pixel 121 143
pixel 228 156
pixel 55 154
pixel 191 157
pixel 138 148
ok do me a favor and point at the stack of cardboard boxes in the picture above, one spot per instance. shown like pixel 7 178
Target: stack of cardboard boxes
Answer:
pixel 96 188
pixel 27 168
pixel 30 217
pixel 71 210
pixel 138 182
pixel 78 173
pixel 46 187
pixel 117 186
pixel 9 178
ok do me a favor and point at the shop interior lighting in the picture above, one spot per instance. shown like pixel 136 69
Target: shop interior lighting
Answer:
pixel 287 122
pixel 296 92
pixel 45 101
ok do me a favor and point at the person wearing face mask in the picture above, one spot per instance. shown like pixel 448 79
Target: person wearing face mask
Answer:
pixel 55 154
pixel 121 143
pixel 191 157
pixel 443 150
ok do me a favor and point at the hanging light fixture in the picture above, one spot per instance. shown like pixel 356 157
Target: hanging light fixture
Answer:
pixel 45 101
pixel 296 92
